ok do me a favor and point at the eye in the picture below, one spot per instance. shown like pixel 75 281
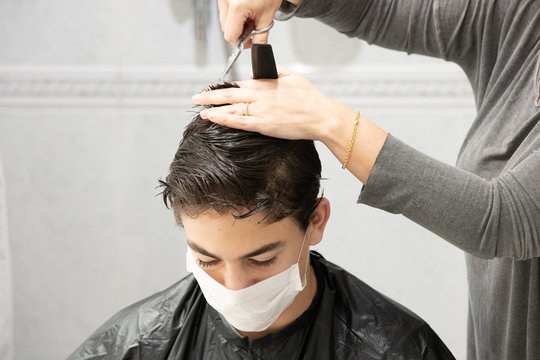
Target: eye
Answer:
pixel 264 262
pixel 206 264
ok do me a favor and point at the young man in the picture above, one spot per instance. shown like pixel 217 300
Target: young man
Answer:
pixel 251 209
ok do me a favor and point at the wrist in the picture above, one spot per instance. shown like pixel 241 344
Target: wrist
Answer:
pixel 365 145
pixel 336 126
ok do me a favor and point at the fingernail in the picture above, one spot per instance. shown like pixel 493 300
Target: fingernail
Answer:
pixel 196 98
pixel 204 114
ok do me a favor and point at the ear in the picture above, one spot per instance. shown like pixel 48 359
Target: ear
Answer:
pixel 319 218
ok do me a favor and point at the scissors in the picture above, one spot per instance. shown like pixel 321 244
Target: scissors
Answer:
pixel 240 46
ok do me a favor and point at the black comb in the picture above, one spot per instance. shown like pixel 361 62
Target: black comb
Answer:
pixel 262 61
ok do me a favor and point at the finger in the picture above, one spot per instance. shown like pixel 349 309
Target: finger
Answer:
pixel 282 71
pixel 255 87
pixel 243 83
pixel 234 109
pixel 248 123
pixel 236 18
pixel 264 21
pixel 222 96
pixel 260 38
pixel 223 6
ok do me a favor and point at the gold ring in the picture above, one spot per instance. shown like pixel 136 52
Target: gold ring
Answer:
pixel 246 109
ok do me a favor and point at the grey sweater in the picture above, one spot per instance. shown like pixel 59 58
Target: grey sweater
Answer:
pixel 489 205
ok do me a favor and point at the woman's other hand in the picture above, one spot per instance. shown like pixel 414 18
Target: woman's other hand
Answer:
pixel 233 14
pixel 289 107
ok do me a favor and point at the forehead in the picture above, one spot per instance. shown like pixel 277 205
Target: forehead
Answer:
pixel 222 232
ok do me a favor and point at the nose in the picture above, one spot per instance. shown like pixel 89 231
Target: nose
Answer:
pixel 235 278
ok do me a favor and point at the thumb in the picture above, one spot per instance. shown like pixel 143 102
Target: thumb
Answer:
pixel 260 38
pixel 260 23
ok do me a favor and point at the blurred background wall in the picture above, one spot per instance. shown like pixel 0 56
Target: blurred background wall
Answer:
pixel 94 95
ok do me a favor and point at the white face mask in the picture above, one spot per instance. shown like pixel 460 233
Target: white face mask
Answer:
pixel 255 307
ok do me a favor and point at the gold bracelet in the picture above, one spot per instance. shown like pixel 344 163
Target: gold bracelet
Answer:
pixel 351 142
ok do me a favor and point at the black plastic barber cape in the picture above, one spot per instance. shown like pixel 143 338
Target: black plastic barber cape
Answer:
pixel 346 320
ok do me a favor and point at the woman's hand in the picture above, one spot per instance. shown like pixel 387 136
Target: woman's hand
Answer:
pixel 233 14
pixel 289 107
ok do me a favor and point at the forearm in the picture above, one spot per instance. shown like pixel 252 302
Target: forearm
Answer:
pixel 486 218
pixel 443 29
pixel 403 25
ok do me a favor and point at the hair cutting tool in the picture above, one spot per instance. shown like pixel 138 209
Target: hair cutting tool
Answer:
pixel 240 46
pixel 263 63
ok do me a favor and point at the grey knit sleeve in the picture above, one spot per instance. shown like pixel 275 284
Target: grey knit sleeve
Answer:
pixel 487 218
pixel 451 30
pixel 286 11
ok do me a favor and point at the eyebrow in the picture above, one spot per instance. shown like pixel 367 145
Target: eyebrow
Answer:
pixel 263 249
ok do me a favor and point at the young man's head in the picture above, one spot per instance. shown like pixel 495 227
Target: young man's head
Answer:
pixel 249 203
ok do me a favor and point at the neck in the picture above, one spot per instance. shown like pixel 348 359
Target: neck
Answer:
pixel 301 303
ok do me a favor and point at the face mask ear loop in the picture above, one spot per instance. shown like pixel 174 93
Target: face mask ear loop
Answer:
pixel 307 260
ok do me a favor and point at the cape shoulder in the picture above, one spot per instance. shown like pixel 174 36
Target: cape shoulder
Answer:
pixel 146 320
pixel 371 322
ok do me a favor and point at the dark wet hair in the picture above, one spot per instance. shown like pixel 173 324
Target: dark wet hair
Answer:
pixel 225 169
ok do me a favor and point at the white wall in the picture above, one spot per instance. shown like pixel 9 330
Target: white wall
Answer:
pixel 94 95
